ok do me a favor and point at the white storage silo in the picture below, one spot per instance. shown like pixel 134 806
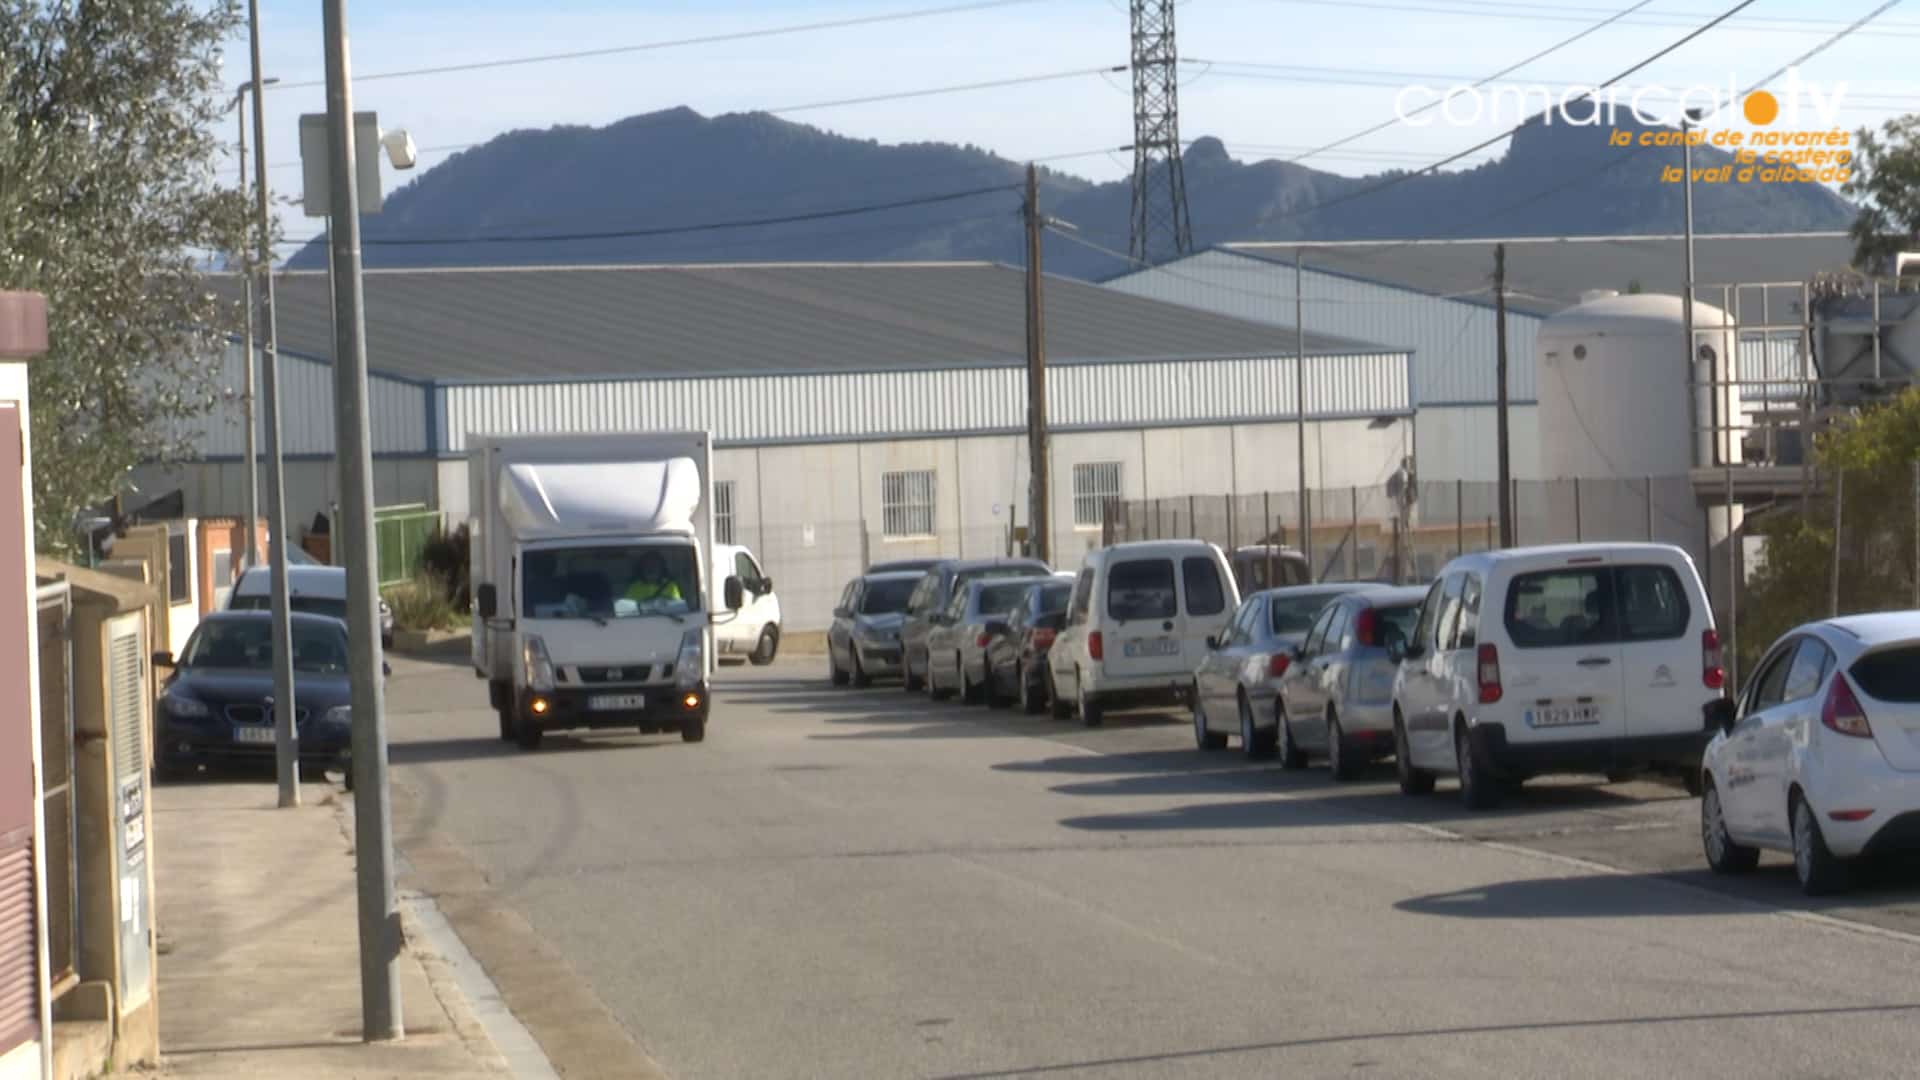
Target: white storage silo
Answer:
pixel 1617 401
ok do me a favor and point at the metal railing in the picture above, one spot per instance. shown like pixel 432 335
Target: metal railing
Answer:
pixel 400 534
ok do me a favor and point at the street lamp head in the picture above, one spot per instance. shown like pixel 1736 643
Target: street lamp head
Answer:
pixel 401 153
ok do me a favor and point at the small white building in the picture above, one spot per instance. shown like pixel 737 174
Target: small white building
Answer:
pixel 861 411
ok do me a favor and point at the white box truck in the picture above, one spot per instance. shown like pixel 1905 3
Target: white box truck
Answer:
pixel 593 581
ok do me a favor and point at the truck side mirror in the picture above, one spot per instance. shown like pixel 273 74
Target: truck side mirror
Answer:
pixel 734 593
pixel 486 601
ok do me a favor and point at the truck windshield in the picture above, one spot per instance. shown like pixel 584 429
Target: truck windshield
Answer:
pixel 610 582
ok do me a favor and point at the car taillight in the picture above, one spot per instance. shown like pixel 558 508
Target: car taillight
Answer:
pixel 1277 666
pixel 1489 668
pixel 1095 648
pixel 982 639
pixel 1043 639
pixel 1366 628
pixel 1712 670
pixel 1842 711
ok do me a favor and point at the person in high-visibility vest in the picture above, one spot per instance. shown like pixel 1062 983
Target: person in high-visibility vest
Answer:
pixel 651 582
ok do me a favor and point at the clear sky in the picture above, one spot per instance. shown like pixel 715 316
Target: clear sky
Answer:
pixel 1331 68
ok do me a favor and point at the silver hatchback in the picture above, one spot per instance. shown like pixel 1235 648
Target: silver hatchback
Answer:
pixel 1337 695
pixel 1237 685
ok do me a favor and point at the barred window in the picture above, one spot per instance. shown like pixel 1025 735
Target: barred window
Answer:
pixel 1094 484
pixel 906 504
pixel 723 511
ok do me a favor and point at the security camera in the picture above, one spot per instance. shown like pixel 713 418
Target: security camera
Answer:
pixel 400 150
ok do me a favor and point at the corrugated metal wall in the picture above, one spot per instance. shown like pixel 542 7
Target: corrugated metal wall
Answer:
pixel 796 408
pixel 1452 340
pixel 397 411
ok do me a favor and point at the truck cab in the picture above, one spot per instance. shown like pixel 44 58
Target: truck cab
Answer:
pixel 593 582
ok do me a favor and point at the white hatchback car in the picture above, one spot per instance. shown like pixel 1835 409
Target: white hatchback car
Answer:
pixel 1137 626
pixel 1583 658
pixel 1821 755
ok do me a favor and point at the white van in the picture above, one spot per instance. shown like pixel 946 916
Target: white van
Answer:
pixel 753 631
pixel 1583 658
pixel 1138 624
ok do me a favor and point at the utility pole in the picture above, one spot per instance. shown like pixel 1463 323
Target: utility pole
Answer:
pixel 1503 448
pixel 286 751
pixel 1300 406
pixel 353 449
pixel 1686 293
pixel 1039 516
pixel 248 559
pixel 1160 226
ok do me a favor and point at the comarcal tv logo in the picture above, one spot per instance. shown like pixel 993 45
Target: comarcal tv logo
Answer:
pixel 1794 137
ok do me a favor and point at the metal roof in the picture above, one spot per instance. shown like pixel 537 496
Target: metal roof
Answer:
pixel 545 323
pixel 1546 274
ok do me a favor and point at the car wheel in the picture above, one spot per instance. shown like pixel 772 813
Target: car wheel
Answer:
pixel 971 693
pixel 1256 744
pixel 693 730
pixel 859 675
pixel 933 683
pixel 1060 708
pixel 766 648
pixel 1723 855
pixel 506 723
pixel 1819 870
pixel 995 698
pixel 914 683
pixel 1204 736
pixel 834 674
pixel 1695 782
pixel 1413 781
pixel 1341 760
pixel 1291 756
pixel 1030 702
pixel 528 734
pixel 313 772
pixel 1091 714
pixel 171 772
pixel 1478 790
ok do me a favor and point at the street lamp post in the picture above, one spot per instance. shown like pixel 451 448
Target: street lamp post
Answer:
pixel 247 398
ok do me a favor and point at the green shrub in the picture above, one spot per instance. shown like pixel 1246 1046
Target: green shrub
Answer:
pixel 423 604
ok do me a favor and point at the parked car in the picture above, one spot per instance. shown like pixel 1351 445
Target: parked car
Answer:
pixel 752 631
pixel 1137 626
pixel 1237 684
pixel 1581 658
pixel 932 595
pixel 864 640
pixel 957 642
pixel 1337 697
pixel 1819 756
pixel 1269 566
pixel 311 588
pixel 216 705
pixel 891 566
pixel 1017 653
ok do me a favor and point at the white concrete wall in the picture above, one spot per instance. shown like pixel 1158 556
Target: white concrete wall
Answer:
pixel 1461 443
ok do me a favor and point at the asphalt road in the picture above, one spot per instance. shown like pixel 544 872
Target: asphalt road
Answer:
pixel 846 883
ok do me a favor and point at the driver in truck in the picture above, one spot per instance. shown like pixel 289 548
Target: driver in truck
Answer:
pixel 650 580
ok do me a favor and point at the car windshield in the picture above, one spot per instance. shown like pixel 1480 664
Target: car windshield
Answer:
pixel 247 645
pixel 887 597
pixel 331 607
pixel 1001 599
pixel 1397 621
pixel 610 581
pixel 1295 614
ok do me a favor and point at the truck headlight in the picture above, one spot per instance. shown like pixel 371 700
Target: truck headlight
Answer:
pixel 536 665
pixel 691 666
pixel 186 708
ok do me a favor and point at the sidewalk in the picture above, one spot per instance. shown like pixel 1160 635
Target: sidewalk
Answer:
pixel 259 967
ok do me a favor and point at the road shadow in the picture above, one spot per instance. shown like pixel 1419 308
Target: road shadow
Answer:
pixel 1218 816
pixel 435 751
pixel 1588 896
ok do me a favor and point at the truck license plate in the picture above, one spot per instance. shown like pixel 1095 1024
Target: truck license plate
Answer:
pixel 616 702
pixel 1564 715
pixel 1165 646
pixel 252 735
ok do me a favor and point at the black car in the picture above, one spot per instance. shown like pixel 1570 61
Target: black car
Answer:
pixel 933 594
pixel 901 566
pixel 864 640
pixel 216 707
pixel 1017 651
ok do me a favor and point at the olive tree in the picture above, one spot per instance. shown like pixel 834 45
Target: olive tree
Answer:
pixel 1886 183
pixel 110 205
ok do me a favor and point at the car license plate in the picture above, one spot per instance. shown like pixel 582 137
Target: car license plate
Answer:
pixel 1563 715
pixel 1164 646
pixel 616 702
pixel 260 735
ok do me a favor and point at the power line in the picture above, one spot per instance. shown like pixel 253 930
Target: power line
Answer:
pixel 901 95
pixel 1541 13
pixel 677 230
pixel 650 46
pixel 1401 178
